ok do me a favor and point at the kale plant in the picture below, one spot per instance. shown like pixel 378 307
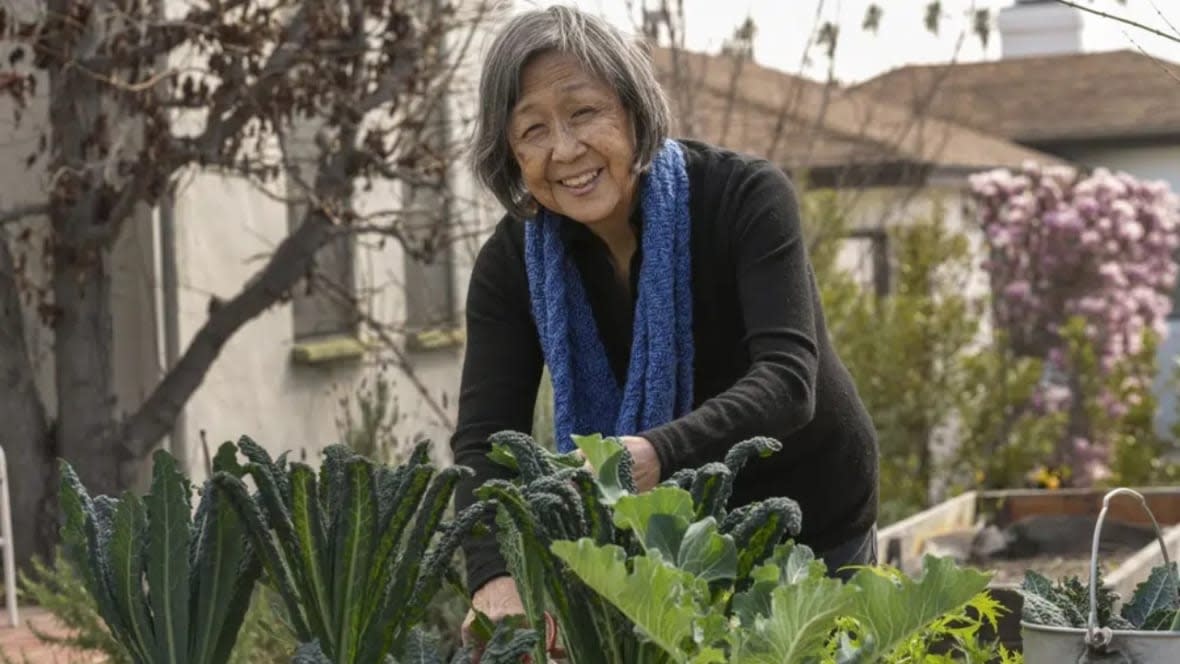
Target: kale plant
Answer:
pixel 556 498
pixel 1154 606
pixel 674 576
pixel 171 585
pixel 357 552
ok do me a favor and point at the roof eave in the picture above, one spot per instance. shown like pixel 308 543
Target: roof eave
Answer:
pixel 1129 138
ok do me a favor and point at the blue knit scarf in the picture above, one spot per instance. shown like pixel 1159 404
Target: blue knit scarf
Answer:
pixel 658 389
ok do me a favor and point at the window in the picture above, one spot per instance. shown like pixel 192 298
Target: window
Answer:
pixel 428 209
pixel 429 286
pixel 322 306
pixel 865 254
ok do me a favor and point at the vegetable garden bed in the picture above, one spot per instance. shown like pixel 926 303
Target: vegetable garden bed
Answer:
pixel 357 550
pixel 1043 530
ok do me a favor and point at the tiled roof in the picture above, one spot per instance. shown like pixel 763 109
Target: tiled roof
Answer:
pixel 1044 99
pixel 799 123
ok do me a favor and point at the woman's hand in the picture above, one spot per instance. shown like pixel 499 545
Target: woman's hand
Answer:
pixel 646 467
pixel 497 599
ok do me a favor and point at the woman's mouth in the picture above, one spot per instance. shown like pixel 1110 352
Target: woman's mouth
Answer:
pixel 581 184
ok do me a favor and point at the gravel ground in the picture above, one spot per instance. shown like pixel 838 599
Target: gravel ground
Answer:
pixel 1011 572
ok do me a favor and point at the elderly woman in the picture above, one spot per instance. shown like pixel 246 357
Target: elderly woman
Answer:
pixel 666 285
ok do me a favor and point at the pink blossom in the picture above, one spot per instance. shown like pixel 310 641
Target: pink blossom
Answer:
pixel 1056 397
pixel 1122 211
pixel 1131 230
pixel 1113 273
pixel 1160 327
pixel 1017 290
pixel 1099 246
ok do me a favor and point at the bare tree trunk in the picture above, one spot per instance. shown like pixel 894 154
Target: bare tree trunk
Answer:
pixel 80 207
pixel 85 376
pixel 25 438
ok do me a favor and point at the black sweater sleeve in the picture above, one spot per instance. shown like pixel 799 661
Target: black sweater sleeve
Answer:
pixel 501 373
pixel 775 289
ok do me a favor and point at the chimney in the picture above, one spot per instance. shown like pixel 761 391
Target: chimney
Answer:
pixel 1039 27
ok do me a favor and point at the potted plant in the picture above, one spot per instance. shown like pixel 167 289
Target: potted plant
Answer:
pixel 1068 621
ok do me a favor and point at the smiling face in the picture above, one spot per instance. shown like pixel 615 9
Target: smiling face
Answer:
pixel 574 143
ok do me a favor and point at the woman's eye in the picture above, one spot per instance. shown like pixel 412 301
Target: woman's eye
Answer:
pixel 582 112
pixel 531 130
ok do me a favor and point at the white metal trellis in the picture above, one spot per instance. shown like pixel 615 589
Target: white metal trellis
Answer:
pixel 6 542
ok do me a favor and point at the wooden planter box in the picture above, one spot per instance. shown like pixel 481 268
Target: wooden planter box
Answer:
pixel 903 544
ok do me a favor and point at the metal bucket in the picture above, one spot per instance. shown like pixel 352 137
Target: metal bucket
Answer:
pixel 1072 645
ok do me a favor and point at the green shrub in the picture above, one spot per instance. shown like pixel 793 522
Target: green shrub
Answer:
pixel 58 588
pixel 912 350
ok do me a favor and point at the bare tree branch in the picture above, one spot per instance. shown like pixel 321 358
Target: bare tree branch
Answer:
pixel 1164 18
pixel 407 368
pixel 286 266
pixel 163 37
pixel 22 212
pixel 402 360
pixel 1121 19
pixel 219 126
pixel 1154 60
pixel 331 190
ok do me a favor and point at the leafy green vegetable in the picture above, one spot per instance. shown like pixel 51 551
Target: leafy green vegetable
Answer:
pixel 789 613
pixel 671 575
pixel 892 607
pixel 611 462
pixel 1154 605
pixel 555 499
pixel 172 586
pixel 660 599
pixel 350 550
pixel 680 591
pixel 1159 593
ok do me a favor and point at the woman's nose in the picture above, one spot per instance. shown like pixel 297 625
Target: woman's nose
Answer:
pixel 567 146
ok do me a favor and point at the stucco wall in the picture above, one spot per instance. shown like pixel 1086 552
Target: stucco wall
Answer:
pixel 225 229
pixel 888 207
pixel 22 185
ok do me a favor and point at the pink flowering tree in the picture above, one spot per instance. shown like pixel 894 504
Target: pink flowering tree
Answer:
pixel 1082 267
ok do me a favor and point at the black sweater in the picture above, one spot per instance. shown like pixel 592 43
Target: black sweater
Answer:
pixel 763 362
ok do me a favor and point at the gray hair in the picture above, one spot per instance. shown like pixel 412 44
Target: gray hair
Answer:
pixel 601 49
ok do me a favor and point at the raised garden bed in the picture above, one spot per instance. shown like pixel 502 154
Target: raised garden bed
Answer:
pixel 1007 532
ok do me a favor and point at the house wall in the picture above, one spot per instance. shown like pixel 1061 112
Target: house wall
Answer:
pixel 24 185
pixel 225 228
pixel 1150 162
pixel 889 207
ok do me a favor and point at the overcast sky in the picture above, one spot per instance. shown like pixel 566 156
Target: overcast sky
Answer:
pixel 785 25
